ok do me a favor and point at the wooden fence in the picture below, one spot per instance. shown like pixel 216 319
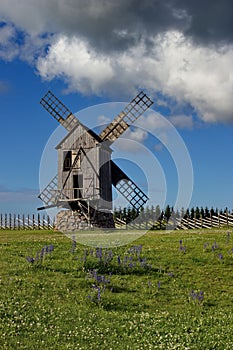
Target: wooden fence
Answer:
pixel 217 221
pixel 26 222
pixel 43 222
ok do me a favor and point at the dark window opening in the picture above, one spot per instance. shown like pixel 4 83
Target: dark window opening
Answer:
pixel 77 185
pixel 67 160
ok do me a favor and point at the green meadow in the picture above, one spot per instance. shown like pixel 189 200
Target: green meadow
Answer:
pixel 166 290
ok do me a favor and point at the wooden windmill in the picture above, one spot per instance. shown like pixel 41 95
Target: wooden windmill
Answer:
pixel 86 172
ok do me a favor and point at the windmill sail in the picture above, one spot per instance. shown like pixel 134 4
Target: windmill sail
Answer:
pixel 132 193
pixel 49 193
pixel 127 117
pixel 59 111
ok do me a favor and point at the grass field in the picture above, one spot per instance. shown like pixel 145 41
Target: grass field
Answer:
pixel 167 290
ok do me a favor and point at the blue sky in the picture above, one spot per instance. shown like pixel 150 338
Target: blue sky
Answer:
pixel 186 70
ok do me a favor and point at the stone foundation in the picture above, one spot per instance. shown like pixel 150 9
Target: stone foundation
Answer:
pixel 71 221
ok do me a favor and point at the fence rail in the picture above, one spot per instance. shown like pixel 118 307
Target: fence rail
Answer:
pixel 26 222
pixel 216 221
pixel 44 222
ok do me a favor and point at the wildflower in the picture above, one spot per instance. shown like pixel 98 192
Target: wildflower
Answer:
pixel 99 253
pixel 199 296
pixel 170 274
pixel 119 260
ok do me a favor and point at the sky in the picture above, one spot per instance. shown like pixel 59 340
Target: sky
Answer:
pixel 96 56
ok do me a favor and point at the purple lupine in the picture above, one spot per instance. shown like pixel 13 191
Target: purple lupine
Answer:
pixel 42 253
pixel 30 259
pixel 143 262
pixel 182 248
pixel 99 253
pixel 119 260
pixel 197 295
pixel 170 274
pixel 85 255
pixel 200 296
pixel 125 260
pixel 159 285
pixel 51 248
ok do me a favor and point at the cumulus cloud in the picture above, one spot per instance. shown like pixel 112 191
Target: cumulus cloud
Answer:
pixel 182 121
pixel 200 76
pixel 82 68
pixel 180 49
pixel 8 48
pixel 103 119
pixel 118 24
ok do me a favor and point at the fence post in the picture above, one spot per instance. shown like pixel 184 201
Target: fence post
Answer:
pixel 23 222
pixel 43 222
pixel 10 226
pixel 1 222
pixel 18 221
pixel 38 223
pixel 33 221
pixel 5 221
pixel 14 223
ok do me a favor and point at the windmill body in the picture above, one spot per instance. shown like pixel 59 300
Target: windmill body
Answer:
pixel 86 172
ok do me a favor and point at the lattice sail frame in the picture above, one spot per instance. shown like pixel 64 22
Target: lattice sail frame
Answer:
pixel 59 111
pixel 128 189
pixel 136 197
pixel 127 117
pixel 49 193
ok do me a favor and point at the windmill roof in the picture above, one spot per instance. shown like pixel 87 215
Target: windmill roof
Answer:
pixel 91 132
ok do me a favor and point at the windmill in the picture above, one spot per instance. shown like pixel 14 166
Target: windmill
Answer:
pixel 86 172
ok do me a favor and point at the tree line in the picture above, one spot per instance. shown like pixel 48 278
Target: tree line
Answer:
pixel 155 213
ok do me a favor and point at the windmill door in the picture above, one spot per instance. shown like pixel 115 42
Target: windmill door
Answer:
pixel 77 185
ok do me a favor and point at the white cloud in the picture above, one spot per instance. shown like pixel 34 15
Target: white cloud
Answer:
pixel 132 140
pixel 102 119
pixel 112 48
pixel 82 68
pixel 182 121
pixel 8 48
pixel 196 75
pixel 136 134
